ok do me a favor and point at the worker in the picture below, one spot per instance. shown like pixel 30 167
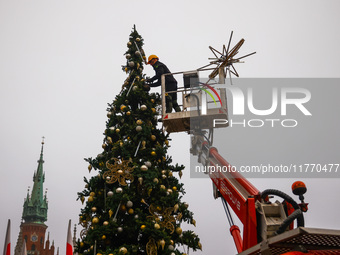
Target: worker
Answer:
pixel 170 83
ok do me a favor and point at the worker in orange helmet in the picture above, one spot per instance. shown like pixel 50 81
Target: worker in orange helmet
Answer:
pixel 170 83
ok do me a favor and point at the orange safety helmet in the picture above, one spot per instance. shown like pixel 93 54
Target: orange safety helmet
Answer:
pixel 151 57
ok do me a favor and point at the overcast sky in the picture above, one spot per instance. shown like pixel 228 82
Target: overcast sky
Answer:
pixel 60 64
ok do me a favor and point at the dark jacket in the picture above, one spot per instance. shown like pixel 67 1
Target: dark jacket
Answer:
pixel 170 82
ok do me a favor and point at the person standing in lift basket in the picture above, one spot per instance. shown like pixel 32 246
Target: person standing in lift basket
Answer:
pixel 170 83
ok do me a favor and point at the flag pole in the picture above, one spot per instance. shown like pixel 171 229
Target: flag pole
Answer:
pixel 7 246
pixel 69 242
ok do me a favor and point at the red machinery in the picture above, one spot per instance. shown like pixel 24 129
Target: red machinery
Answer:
pixel 267 227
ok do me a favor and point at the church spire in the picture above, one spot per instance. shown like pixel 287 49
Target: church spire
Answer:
pixel 35 207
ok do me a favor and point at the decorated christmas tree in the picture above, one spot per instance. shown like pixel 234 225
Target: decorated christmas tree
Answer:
pixel 133 205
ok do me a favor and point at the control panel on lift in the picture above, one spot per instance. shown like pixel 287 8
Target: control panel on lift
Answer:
pixel 201 103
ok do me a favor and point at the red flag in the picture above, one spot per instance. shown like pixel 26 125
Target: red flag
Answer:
pixel 69 246
pixel 7 246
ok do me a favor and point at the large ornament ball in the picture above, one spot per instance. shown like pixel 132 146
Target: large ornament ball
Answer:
pixel 153 153
pixel 119 190
pixel 137 53
pixel 136 216
pixel 92 194
pixel 128 113
pixel 143 107
pixel 178 230
pixel 157 226
pixel 134 88
pixel 112 128
pixel 123 250
pixel 155 180
pixel 186 204
pixel 142 227
pixel 163 176
pixel 163 187
pixel 129 44
pixel 90 199
pixel 103 237
pixel 171 247
pixel 148 163
pixel 153 138
pixel 144 168
pixel 137 39
pixel 139 122
pixel 163 171
pixel 130 211
pixel 94 209
pixel 129 204
pixel 170 191
pixel 110 193
pixel 105 223
pixel 117 130
pixel 131 64
pixel 128 56
pixel 139 128
pixel 120 229
pixel 95 220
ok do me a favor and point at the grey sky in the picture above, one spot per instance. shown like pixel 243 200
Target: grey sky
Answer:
pixel 60 64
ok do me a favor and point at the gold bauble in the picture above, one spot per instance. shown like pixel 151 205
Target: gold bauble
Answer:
pixel 123 250
pixel 157 226
pixel 142 227
pixel 128 113
pixel 152 100
pixel 153 153
pixel 92 194
pixel 93 209
pixel 174 188
pixel 193 222
pixel 178 230
pixel 122 107
pixel 155 180
pixel 81 244
pixel 137 39
pixel 144 168
pixel 171 242
pixel 139 122
pixel 90 199
pixel 117 130
pixel 153 110
pixel 105 223
pixel 163 187
pixel 170 173
pixel 95 220
pixel 130 211
pixel 123 208
pixel 153 137
pixel 103 237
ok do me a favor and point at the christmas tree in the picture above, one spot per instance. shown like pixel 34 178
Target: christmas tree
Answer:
pixel 133 205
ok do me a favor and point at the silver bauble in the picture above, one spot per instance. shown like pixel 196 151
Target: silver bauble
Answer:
pixel 119 190
pixel 129 204
pixel 139 128
pixel 148 163
pixel 131 64
pixel 110 193
pixel 143 107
